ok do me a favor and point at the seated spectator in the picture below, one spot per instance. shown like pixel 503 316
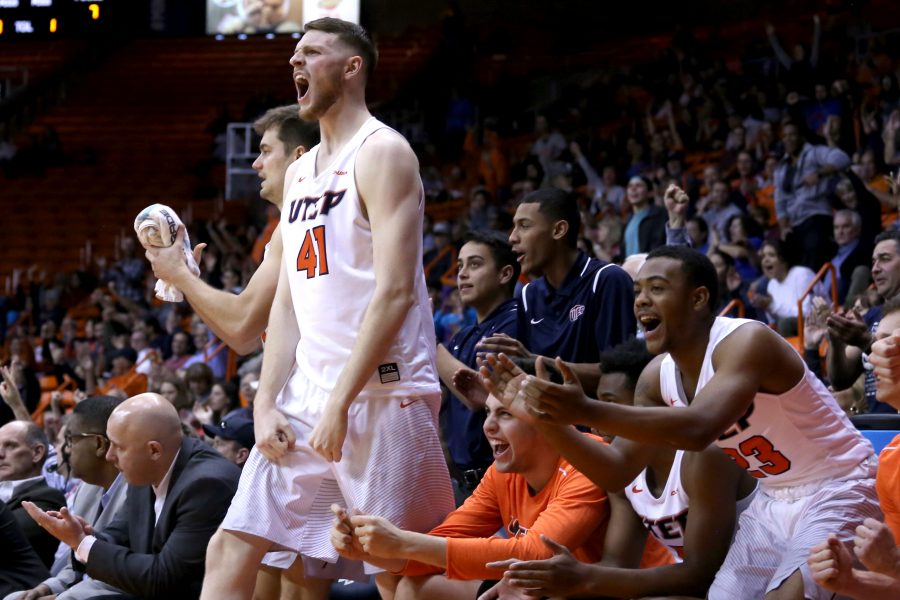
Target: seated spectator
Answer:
pixel 199 379
pixel 689 501
pixel 207 346
pixel 852 259
pixel 718 209
pixel 175 391
pixel 646 228
pixel 850 331
pixel 223 399
pixel 97 499
pixel 122 376
pixel 781 287
pixel 146 354
pixel 742 241
pixel 442 259
pixel 179 484
pixel 731 285
pixel 20 566
pixel 23 450
pixel 529 491
pixel 698 232
pixel 181 351
pixel 232 437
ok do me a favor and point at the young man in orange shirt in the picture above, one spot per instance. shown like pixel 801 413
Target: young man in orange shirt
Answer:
pixel 530 492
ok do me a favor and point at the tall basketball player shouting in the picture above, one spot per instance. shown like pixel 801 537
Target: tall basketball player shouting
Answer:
pixel 346 410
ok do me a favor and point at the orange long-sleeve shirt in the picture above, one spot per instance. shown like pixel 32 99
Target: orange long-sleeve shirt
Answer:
pixel 887 484
pixel 569 509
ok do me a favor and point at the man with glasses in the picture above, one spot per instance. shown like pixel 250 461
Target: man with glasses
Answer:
pixel 179 490
pixel 97 499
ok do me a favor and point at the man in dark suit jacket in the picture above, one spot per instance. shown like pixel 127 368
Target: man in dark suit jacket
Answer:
pixel 853 258
pixel 23 450
pixel 20 567
pixel 180 489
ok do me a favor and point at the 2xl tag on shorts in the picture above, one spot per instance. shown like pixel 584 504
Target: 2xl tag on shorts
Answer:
pixel 389 372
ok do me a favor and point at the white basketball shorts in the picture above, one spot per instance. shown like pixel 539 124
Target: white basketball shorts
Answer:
pixel 392 466
pixel 778 529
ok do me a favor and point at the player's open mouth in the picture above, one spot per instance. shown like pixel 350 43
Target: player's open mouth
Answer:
pixel 649 322
pixel 500 449
pixel 302 86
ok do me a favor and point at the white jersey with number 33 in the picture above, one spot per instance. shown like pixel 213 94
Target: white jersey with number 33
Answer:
pixel 329 257
pixel 795 438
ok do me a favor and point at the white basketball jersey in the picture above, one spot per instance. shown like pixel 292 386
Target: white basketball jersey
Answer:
pixel 328 255
pixel 798 437
pixel 664 516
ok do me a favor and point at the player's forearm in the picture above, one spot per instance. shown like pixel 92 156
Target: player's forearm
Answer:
pixel 227 314
pixel 655 426
pixel 865 585
pixel 280 354
pixel 671 580
pixel 382 321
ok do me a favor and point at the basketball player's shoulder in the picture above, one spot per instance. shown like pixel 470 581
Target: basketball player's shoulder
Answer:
pixel 647 390
pixel 387 144
pixel 750 336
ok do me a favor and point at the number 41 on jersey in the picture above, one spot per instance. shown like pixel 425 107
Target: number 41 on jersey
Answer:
pixel 312 257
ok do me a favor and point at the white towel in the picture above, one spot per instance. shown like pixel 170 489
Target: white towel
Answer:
pixel 157 226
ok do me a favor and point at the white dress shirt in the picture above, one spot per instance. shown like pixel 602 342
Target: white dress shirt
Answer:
pixel 82 553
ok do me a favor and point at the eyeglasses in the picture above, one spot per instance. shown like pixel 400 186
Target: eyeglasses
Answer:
pixel 67 438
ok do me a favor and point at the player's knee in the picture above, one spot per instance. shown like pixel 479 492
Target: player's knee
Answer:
pixel 409 588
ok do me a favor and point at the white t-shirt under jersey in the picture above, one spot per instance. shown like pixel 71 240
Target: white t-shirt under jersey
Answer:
pixel 799 437
pixel 329 257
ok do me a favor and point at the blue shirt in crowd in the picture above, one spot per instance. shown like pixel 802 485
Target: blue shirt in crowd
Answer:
pixel 593 310
pixel 463 433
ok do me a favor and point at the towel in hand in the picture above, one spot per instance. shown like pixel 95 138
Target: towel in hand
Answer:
pixel 156 227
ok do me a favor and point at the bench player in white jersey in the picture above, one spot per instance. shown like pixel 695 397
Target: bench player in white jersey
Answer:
pixel 240 320
pixel 744 388
pixel 689 501
pixel 347 403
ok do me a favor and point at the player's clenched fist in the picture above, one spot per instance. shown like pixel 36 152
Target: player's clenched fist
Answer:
pixel 274 435
pixel 378 536
pixel 330 432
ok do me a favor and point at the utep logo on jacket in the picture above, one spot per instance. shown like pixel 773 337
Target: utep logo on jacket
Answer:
pixel 515 528
pixel 305 209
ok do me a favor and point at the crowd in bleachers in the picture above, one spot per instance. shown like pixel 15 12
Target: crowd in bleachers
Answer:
pixel 788 165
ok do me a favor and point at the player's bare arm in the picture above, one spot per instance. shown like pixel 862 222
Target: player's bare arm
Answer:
pixel 588 373
pixel 237 319
pixel 391 199
pixel 744 363
pixel 610 467
pixel 274 435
